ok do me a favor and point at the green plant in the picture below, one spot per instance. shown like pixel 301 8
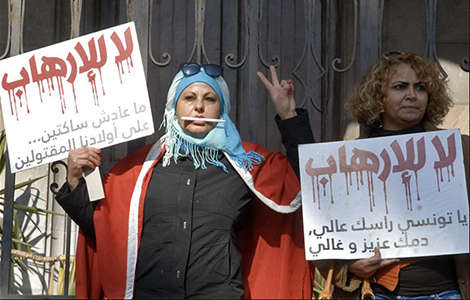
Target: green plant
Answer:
pixel 318 284
pixel 17 234
pixel 19 239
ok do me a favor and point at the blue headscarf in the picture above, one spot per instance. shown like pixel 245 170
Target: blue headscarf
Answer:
pixel 223 137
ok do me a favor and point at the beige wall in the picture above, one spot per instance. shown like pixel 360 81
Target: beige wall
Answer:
pixel 459 84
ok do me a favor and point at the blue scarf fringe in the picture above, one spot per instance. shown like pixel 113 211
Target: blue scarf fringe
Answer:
pixel 201 155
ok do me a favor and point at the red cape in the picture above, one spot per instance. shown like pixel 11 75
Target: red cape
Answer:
pixel 272 243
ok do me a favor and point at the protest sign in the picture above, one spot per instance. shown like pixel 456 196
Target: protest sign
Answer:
pixel 404 194
pixel 87 91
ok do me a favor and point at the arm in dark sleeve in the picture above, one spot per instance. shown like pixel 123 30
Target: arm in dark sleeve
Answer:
pixel 295 131
pixel 77 205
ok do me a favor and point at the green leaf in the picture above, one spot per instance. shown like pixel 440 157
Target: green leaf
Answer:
pixel 23 184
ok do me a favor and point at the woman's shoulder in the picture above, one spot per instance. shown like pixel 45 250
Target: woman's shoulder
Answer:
pixel 267 154
pixel 249 146
pixel 431 127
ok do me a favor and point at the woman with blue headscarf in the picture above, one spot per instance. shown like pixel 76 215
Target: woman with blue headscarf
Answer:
pixel 200 213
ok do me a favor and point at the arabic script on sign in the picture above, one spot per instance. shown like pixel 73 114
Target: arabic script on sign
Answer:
pixel 404 194
pixel 88 91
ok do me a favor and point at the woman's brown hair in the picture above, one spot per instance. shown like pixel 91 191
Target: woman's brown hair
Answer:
pixel 366 102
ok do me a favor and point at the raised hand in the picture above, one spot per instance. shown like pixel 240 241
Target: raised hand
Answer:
pixel 282 94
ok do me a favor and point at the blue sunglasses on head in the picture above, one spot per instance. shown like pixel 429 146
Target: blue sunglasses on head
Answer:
pixel 192 68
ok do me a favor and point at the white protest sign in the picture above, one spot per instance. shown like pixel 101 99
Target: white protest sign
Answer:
pixel 404 194
pixel 89 91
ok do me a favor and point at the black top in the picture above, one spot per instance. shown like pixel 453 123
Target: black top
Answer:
pixel 189 246
pixel 190 233
pixel 430 276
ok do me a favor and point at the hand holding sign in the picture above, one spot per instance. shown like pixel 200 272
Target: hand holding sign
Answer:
pixel 367 267
pixel 80 159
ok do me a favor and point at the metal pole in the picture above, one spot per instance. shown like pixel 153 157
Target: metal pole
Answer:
pixel 5 265
pixel 67 256
pixel 138 11
pixel 15 19
pixel 253 12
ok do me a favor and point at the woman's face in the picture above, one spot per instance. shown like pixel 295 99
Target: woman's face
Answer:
pixel 198 100
pixel 407 99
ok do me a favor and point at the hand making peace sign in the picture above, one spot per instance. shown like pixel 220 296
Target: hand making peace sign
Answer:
pixel 282 94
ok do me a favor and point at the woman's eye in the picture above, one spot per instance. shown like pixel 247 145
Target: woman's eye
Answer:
pixel 399 87
pixel 208 99
pixel 189 98
pixel 421 88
